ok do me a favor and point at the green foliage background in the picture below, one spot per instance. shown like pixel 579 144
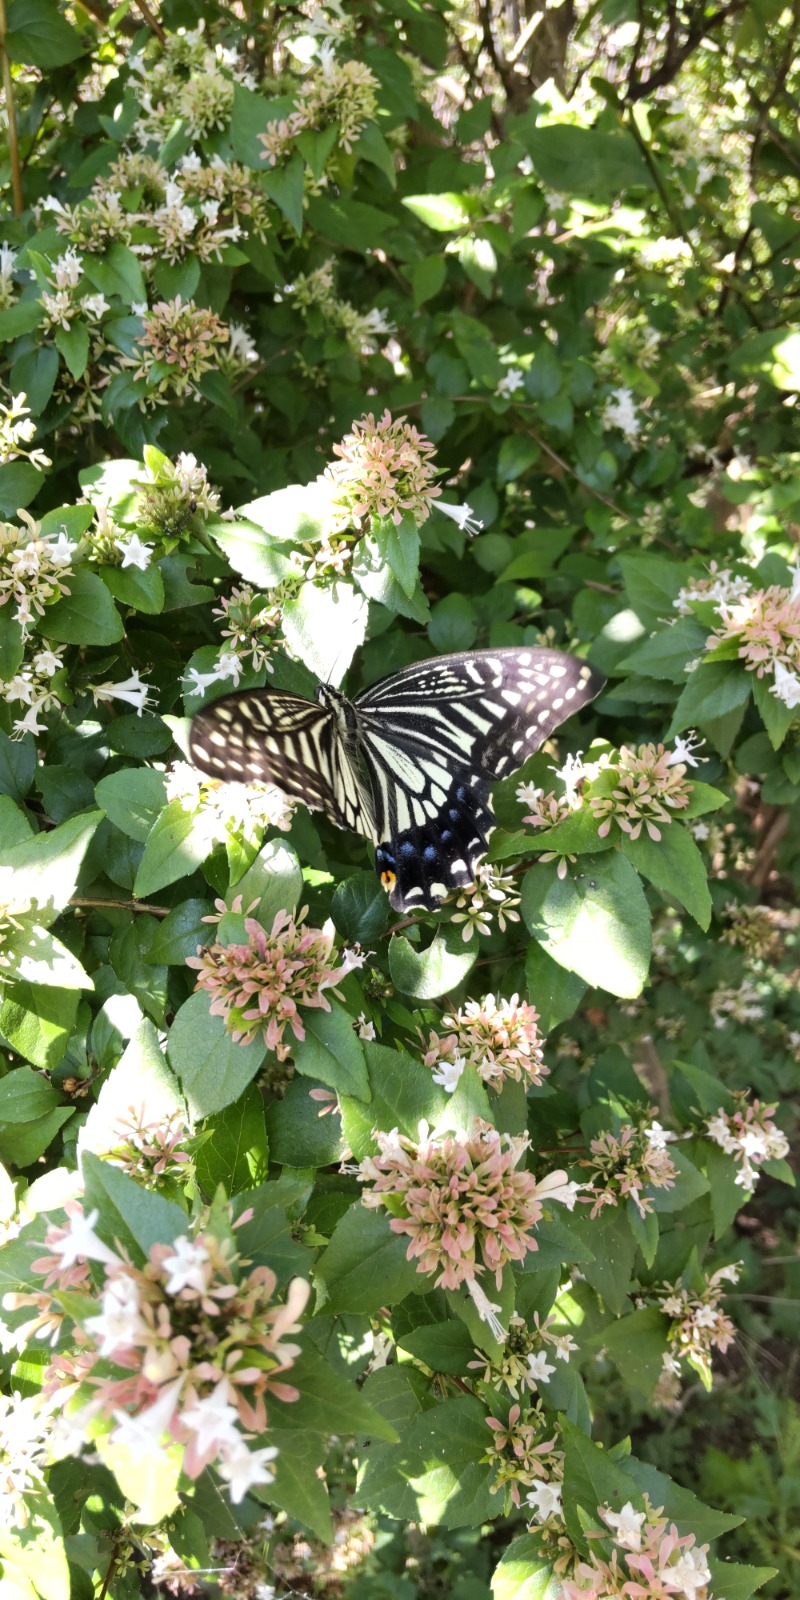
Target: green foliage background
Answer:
pixel 602 201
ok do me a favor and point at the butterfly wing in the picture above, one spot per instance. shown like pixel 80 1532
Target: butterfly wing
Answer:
pixel 436 736
pixel 266 736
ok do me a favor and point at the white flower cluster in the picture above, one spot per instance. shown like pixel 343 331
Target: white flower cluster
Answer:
pixel 224 808
pixel 740 1004
pixel 62 303
pixel 33 570
pixel 8 262
pixel 25 1427
pixel 620 412
pixel 751 1138
pixel 31 686
pixel 17 428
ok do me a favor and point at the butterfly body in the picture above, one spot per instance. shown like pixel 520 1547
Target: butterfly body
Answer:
pixel 410 763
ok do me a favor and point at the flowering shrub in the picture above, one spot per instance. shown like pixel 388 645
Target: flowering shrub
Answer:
pixel 345 1252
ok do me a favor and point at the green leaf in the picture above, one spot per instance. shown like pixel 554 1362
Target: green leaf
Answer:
pixel 328 1405
pixel 360 909
pixel 132 800
pixel 524 1574
pixel 676 867
pixel 130 1215
pixel 19 484
pixel 33 1558
pixel 445 213
pixel 40 36
pixel 46 866
pixel 636 1344
pixel 426 974
pixel 275 880
pixel 73 342
pixel 652 584
pixel 591 1479
pixel 365 1266
pixel 37 1021
pixel 299 514
pixel 584 161
pixel 42 959
pixel 665 654
pixel 332 1051
pixel 180 933
pixel 595 923
pixel 298 1135
pixel 24 1095
pixel 235 1152
pixel 176 845
pixel 609 1238
pixel 213 1069
pixel 713 690
pixel 286 186
pixel 427 277
pixel 141 1079
pixel 554 992
pixel 87 616
pixel 436 1475
pixel 143 590
pixel 403 1093
pixel 298 1488
pixel 325 627
pixel 17 765
pixel 453 625
pixel 117 273
pixel 399 549
pixel 776 717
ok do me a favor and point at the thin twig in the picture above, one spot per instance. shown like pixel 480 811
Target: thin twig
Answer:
pixel 81 902
pixel 11 116
pixel 151 20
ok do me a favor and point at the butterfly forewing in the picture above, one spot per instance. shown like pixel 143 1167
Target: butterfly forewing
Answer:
pixel 265 736
pixel 434 738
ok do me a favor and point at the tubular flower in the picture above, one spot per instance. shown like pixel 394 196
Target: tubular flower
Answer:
pixel 384 470
pixel 260 987
pixel 648 784
pixel 499 1038
pixel 466 1205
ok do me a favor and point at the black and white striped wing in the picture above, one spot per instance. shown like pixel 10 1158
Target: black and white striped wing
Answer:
pixel 436 736
pixel 266 736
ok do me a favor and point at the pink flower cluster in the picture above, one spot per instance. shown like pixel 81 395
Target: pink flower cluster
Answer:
pixel 766 625
pixel 750 1136
pixel 500 1038
pixel 184 1348
pixel 698 1325
pixel 625 1164
pixel 384 470
pixel 649 784
pixel 259 987
pixel 523 1455
pixel 465 1204
pixel 646 1558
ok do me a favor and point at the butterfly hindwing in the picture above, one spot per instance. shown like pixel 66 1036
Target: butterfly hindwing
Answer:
pixel 434 737
pixel 266 736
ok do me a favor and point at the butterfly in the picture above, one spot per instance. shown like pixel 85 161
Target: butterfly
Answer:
pixel 410 762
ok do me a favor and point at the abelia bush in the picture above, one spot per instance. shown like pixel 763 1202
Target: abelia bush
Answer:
pixel 341 1251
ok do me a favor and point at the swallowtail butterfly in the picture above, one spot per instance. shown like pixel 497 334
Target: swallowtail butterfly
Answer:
pixel 410 763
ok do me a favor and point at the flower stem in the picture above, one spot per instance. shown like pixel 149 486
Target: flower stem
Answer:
pixel 11 114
